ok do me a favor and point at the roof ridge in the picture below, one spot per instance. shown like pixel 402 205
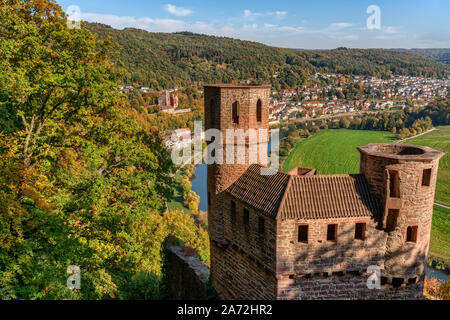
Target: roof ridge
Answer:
pixel 283 199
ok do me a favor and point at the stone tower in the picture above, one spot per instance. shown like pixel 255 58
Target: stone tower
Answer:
pixel 404 178
pixel 231 106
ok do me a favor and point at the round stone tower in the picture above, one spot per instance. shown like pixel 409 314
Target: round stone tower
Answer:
pixel 404 177
pixel 231 107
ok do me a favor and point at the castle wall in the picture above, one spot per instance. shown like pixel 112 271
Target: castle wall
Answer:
pixel 408 259
pixel 237 276
pixel 245 268
pixel 344 287
pixel 247 239
pixel 187 276
pixel 373 170
pixel 320 256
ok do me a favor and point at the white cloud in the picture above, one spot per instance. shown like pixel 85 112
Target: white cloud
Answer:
pixel 340 25
pixel 120 22
pixel 177 11
pixel 281 14
pixel 390 29
pixel 253 15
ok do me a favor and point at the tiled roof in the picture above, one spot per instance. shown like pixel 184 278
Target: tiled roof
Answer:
pixel 329 196
pixel 306 197
pixel 262 192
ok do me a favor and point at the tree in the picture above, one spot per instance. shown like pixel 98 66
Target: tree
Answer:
pixel 84 180
pixel 53 73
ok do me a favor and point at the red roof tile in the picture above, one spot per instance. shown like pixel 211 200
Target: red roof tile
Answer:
pixel 306 197
pixel 329 196
pixel 262 192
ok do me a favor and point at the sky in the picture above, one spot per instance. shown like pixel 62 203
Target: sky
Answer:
pixel 312 24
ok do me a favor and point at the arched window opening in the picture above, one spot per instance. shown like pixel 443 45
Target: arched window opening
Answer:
pixel 235 113
pixel 259 111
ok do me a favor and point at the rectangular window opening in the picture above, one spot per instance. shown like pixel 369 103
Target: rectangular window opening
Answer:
pixel 332 232
pixel 411 234
pixel 246 218
pixel 360 231
pixel 394 186
pixel 303 234
pixel 426 178
pixel 233 212
pixel 261 226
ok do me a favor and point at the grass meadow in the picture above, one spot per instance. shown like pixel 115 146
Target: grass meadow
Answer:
pixel 334 152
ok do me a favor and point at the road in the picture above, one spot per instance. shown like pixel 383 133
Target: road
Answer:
pixel 413 137
pixel 441 205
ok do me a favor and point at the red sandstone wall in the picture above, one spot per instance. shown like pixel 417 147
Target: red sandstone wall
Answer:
pixel 322 256
pixel 240 262
pixel 236 276
pixel 220 177
pixel 247 239
pixel 344 287
pixel 403 259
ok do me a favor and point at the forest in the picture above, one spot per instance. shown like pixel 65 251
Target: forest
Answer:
pixel 84 181
pixel 163 60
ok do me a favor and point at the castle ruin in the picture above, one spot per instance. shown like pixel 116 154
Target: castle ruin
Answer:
pixel 300 235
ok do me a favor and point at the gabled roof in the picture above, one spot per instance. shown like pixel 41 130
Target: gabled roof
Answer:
pixel 262 192
pixel 329 196
pixel 306 197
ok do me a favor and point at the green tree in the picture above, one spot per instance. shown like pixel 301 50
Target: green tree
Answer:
pixel 83 180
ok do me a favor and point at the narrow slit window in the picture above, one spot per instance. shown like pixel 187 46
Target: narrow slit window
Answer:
pixel 360 231
pixel 246 218
pixel 235 113
pixel 394 185
pixel 303 234
pixel 426 178
pixel 261 226
pixel 411 234
pixel 259 111
pixel 332 232
pixel 212 113
pixel 233 211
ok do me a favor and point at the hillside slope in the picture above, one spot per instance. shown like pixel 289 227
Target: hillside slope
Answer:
pixel 162 60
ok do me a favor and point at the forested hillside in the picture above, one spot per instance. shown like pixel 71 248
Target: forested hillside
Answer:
pixel 441 55
pixel 162 60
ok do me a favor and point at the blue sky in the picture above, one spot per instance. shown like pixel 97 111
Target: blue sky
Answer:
pixel 319 24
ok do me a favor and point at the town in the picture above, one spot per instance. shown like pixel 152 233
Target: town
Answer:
pixel 334 94
pixel 326 96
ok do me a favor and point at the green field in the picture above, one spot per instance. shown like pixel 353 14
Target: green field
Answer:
pixel 439 140
pixel 440 237
pixel 334 151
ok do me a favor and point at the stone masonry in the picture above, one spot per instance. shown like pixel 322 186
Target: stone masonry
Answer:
pixel 306 236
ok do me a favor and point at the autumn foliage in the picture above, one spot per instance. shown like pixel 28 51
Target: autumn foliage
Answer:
pixel 82 181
